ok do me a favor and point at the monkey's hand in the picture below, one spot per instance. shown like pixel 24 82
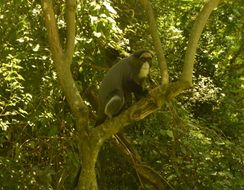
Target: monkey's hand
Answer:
pixel 141 94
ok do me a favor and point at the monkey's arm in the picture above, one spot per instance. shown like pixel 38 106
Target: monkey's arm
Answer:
pixel 138 90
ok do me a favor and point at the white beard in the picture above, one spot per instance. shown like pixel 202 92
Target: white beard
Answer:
pixel 144 71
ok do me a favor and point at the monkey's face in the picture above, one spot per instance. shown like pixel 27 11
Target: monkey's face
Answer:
pixel 146 57
pixel 145 60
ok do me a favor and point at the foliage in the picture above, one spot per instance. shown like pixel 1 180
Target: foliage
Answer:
pixel 194 144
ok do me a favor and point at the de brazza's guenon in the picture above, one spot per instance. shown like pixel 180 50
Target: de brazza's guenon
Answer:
pixel 122 79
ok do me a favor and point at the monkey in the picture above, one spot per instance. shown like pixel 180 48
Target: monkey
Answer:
pixel 124 78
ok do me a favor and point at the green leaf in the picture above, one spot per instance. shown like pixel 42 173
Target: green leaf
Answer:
pixel 170 133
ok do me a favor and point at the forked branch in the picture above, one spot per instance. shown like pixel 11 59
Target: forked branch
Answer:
pixel 63 60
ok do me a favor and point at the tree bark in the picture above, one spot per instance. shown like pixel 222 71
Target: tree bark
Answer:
pixel 196 32
pixel 88 154
pixel 157 43
pixel 63 60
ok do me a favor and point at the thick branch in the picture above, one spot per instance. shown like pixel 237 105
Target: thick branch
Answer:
pixel 52 30
pixel 70 20
pixel 157 43
pixel 197 29
pixel 139 110
pixel 62 66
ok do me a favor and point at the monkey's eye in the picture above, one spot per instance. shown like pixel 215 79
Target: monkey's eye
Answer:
pixel 146 59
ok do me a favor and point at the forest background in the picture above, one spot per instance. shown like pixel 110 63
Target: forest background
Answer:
pixel 193 141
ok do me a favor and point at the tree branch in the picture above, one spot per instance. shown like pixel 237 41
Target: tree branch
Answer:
pixel 138 111
pixel 197 29
pixel 70 20
pixel 157 43
pixel 62 64
pixel 141 109
pixel 52 30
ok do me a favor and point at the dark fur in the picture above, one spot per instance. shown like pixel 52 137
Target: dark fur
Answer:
pixel 121 80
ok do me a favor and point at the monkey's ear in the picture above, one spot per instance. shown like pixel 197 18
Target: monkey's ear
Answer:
pixel 114 105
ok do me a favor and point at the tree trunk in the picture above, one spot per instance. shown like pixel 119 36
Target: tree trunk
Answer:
pixel 87 180
pixel 89 148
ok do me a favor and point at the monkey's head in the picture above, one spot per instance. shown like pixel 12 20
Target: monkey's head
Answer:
pixel 144 55
pixel 143 63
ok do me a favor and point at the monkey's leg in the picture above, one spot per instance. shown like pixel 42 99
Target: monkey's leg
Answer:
pixel 114 106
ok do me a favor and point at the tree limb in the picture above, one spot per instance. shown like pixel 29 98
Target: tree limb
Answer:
pixel 52 30
pixel 157 43
pixel 62 64
pixel 196 32
pixel 70 20
pixel 157 97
